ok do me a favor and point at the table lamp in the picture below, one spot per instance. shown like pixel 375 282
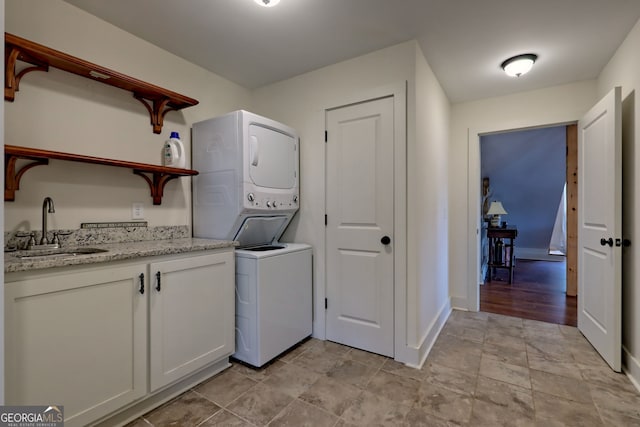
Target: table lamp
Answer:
pixel 495 210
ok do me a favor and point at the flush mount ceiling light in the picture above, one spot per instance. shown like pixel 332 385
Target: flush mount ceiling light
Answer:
pixel 267 3
pixel 519 65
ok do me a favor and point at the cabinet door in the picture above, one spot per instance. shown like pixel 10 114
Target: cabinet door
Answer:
pixel 77 339
pixel 192 311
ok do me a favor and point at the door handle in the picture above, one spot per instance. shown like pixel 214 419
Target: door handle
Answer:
pixel 141 283
pixel 385 240
pixel 605 242
pixel 623 242
pixel 253 150
pixel 158 281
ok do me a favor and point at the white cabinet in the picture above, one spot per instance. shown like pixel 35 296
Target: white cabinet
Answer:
pixel 77 339
pixel 191 315
pixel 103 340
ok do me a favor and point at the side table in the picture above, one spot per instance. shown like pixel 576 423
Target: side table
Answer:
pixel 501 250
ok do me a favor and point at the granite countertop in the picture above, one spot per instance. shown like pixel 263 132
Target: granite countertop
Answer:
pixel 115 252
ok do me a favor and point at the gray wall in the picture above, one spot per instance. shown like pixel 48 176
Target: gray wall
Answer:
pixel 527 171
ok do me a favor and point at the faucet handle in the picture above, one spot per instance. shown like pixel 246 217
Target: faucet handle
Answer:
pixel 32 241
pixel 57 234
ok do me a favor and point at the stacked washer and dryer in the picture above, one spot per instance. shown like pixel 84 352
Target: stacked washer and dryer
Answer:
pixel 247 190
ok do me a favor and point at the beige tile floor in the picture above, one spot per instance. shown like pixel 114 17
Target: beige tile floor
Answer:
pixel 484 370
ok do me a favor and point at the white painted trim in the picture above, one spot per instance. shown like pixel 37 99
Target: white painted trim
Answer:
pixel 320 259
pixel 419 354
pixel 399 93
pixel 400 221
pixel 536 254
pixel 631 367
pixel 473 223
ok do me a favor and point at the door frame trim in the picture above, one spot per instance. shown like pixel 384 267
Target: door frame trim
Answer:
pixel 474 185
pixel 398 91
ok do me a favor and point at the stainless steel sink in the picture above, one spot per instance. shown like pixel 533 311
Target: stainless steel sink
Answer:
pixel 60 253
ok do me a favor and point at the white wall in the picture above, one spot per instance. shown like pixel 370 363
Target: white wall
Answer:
pixel 554 105
pixel 63 112
pixel 301 102
pixel 624 70
pixel 428 210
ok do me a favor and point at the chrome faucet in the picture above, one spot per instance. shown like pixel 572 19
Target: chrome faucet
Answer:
pixel 48 202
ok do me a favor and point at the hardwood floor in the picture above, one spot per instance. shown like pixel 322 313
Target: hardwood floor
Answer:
pixel 537 292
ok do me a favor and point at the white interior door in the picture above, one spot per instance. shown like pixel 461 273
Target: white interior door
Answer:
pixel 599 229
pixel 360 280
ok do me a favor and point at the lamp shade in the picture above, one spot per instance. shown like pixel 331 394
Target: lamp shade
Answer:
pixel 496 208
pixel 519 65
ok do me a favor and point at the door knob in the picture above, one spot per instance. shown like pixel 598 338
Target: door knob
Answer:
pixel 605 242
pixel 385 240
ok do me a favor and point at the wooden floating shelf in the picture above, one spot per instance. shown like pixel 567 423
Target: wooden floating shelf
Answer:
pixel 158 101
pixel 156 176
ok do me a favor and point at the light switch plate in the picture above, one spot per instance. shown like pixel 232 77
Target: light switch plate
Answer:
pixel 137 210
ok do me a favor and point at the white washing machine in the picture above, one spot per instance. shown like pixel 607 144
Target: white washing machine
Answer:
pixel 273 300
pixel 247 191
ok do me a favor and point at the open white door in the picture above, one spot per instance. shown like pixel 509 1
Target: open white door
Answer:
pixel 600 226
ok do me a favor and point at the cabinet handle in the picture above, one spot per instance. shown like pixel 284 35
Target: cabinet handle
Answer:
pixel 158 281
pixel 141 283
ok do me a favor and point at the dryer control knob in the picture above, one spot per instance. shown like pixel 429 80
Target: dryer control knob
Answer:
pixel 251 197
pixel 268 204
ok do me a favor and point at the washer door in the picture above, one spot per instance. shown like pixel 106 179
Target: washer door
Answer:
pixel 257 231
pixel 264 248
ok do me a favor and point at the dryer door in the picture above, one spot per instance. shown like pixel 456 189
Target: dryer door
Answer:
pixel 273 158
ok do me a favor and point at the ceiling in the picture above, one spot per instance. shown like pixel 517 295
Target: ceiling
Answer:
pixel 464 41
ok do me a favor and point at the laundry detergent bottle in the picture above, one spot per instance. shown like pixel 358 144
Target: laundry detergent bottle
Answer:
pixel 173 154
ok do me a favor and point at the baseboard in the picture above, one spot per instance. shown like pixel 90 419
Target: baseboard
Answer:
pixel 538 254
pixel 418 355
pixel 631 367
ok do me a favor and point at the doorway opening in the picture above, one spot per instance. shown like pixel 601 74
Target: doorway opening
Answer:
pixel 525 175
pixel 537 293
